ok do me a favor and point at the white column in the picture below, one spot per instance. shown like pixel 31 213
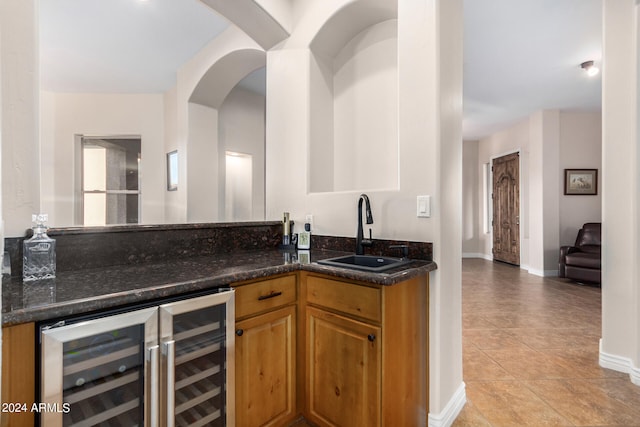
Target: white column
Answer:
pixel 430 110
pixel 620 345
pixel 544 186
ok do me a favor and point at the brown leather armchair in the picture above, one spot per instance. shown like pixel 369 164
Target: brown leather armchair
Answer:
pixel 581 262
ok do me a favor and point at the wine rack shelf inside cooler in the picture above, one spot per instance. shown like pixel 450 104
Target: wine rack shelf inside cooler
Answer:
pixel 199 372
pixel 102 379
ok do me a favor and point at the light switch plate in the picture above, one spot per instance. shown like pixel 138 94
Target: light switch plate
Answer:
pixel 424 206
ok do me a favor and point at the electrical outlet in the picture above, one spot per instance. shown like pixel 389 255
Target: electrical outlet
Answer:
pixel 309 219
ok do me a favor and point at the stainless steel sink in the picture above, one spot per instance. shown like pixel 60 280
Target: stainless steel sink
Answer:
pixel 365 262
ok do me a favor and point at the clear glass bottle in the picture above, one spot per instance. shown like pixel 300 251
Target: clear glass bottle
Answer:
pixel 39 252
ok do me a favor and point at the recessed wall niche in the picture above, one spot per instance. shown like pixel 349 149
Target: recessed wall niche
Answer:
pixel 354 101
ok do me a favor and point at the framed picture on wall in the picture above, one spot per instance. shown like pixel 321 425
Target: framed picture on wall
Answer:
pixel 581 182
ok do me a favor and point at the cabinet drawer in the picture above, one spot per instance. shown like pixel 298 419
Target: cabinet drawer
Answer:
pixel 265 295
pixel 356 300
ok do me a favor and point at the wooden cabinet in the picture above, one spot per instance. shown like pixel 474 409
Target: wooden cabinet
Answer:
pixel 340 352
pixel 365 353
pixel 266 353
pixel 343 374
pixel 18 375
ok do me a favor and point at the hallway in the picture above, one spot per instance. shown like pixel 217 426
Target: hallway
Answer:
pixel 530 353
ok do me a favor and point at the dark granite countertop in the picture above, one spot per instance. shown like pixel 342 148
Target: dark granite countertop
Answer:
pixel 93 290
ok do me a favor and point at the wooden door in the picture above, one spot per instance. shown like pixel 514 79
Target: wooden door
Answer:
pixel 266 369
pixel 343 375
pixel 506 209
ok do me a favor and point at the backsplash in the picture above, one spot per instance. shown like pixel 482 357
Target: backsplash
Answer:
pixel 80 248
pixel 94 247
pixel 417 250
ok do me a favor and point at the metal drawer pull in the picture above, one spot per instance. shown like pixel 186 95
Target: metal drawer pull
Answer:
pixel 271 295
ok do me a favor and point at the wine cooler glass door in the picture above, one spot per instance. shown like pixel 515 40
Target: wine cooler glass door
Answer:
pixel 93 372
pixel 197 341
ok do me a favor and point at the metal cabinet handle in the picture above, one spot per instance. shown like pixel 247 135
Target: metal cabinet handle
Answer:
pixel 371 337
pixel 271 295
pixel 170 352
pixel 239 332
pixel 154 389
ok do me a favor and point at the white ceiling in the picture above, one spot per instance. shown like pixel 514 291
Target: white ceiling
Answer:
pixel 120 46
pixel 520 56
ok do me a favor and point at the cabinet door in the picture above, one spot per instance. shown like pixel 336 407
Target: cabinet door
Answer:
pixel 18 376
pixel 343 370
pixel 197 374
pixel 93 372
pixel 266 368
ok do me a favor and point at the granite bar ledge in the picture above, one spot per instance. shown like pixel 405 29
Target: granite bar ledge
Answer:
pixel 128 282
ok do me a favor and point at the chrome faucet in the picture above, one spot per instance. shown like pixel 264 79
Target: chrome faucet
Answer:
pixel 361 242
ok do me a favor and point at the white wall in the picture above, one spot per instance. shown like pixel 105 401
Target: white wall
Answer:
pixel 241 130
pixel 430 162
pixel 365 109
pixel 472 193
pixel 279 10
pixel 548 141
pixel 354 102
pixel 19 109
pixel 321 127
pixel 175 202
pixel 430 155
pixel 64 115
pixel 580 147
pixel 202 157
pixel 237 126
pixel 177 102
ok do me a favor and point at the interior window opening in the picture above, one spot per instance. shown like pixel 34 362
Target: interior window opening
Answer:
pixel 110 181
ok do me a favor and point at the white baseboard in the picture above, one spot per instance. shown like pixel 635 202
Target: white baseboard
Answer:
pixel 542 273
pixel 635 376
pixel 477 255
pixel 451 410
pixel 620 364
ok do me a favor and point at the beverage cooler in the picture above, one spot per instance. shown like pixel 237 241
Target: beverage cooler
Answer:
pixel 167 365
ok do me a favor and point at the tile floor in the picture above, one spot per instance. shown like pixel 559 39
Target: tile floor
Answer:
pixel 530 353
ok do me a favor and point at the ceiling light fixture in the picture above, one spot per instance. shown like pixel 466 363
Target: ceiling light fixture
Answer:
pixel 590 68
